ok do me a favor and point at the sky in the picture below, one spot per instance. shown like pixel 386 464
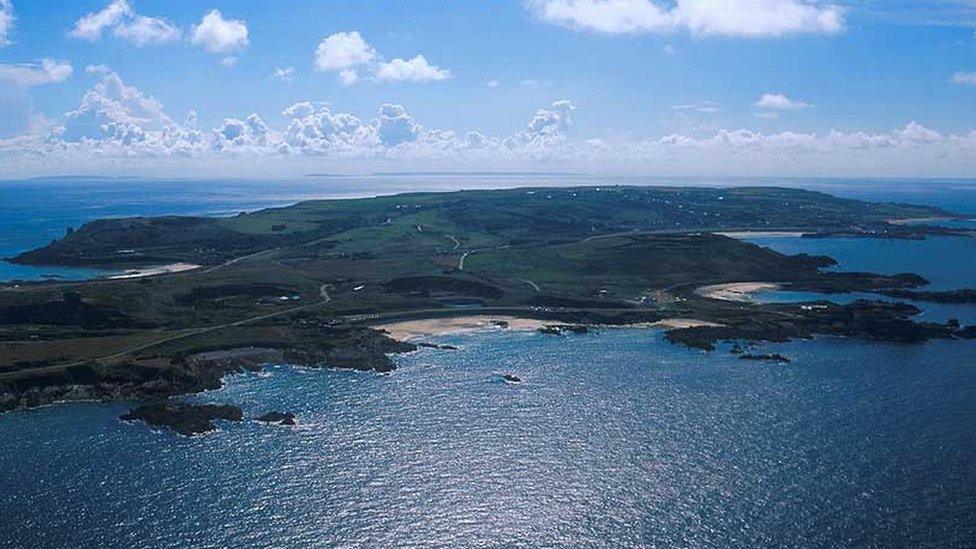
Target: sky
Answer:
pixel 631 87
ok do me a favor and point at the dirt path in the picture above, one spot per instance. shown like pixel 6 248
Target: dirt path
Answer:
pixel 237 260
pixel 457 243
pixel 530 283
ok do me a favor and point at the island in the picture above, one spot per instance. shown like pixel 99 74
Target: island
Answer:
pixel 311 284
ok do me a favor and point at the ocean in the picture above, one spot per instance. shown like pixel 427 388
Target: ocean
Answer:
pixel 615 438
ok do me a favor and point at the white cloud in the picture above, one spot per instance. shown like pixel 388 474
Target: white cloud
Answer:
pixel 29 75
pixel 343 50
pixel 126 24
pixel 113 101
pixel 285 74
pixel 228 61
pixel 606 16
pixel 143 31
pixel 348 77
pixel 6 21
pixel 757 18
pixel 98 69
pixel 218 35
pixel 396 126
pixel 779 102
pixel 703 107
pixel 738 18
pixel 492 83
pixel 413 70
pixel 966 78
pixel 346 53
pixel 90 26
pixel 119 127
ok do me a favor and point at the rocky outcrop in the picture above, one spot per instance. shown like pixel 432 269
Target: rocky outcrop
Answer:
pixel 965 295
pixel 281 418
pixel 774 357
pixel 559 329
pixel 184 419
pixel 436 346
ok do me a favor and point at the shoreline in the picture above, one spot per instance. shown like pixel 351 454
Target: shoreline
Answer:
pixel 412 330
pixel 736 291
pixel 762 234
pixel 154 271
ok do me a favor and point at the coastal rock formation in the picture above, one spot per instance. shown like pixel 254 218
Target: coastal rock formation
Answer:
pixel 511 378
pixel 436 346
pixel 184 419
pixel 868 320
pixel 966 295
pixel 774 357
pixel 158 377
pixel 281 418
pixel 558 329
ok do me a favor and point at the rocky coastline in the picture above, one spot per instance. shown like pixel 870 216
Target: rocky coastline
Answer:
pixel 153 379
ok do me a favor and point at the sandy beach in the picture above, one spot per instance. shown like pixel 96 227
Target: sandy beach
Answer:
pixel 736 291
pixel 678 323
pixel 762 234
pixel 415 329
pixel 152 271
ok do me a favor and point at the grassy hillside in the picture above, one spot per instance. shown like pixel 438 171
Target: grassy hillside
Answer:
pixel 468 219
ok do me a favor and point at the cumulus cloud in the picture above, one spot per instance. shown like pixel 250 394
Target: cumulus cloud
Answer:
pixel 343 50
pixel 143 31
pixel 736 18
pixel 413 70
pixel 126 24
pixel 965 78
pixel 396 126
pixel 118 125
pixel 112 101
pixel 90 26
pixel 757 18
pixel 346 53
pixel 6 21
pixel 27 75
pixel 553 120
pixel 779 102
pixel 218 35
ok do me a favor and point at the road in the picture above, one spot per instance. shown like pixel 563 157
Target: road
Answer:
pixel 324 298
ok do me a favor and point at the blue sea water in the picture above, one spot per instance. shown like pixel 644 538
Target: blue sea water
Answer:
pixel 948 263
pixel 613 439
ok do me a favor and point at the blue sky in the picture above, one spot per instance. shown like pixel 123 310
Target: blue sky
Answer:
pixel 726 87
